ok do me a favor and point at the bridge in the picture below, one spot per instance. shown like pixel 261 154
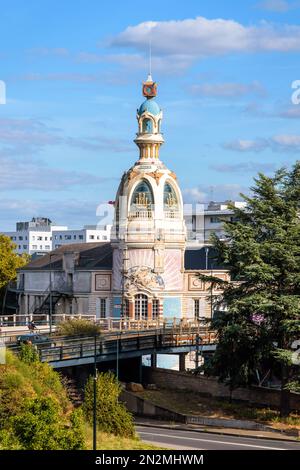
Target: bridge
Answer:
pixel 125 339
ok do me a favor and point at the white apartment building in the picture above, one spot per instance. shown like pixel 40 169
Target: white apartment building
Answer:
pixel 40 236
pixel 207 219
pixel 89 234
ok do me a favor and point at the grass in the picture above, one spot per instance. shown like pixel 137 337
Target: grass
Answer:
pixel 110 442
pixel 195 404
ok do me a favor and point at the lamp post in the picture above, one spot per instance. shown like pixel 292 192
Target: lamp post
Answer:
pixel 95 396
pixel 50 294
pixel 117 370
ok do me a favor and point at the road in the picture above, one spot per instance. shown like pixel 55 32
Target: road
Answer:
pixel 205 441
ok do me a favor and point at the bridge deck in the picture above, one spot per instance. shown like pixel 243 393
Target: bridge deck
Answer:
pixel 65 352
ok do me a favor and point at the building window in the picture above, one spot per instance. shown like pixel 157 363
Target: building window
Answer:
pixel 147 126
pixel 68 237
pixel 20 238
pixel 74 237
pixel 34 247
pixel 125 312
pixel 142 201
pixel 33 237
pixel 141 307
pixel 155 309
pixel 102 308
pixel 170 202
pixel 91 237
pixel 80 237
pixel 104 237
pixel 196 309
pixel 47 247
pixel 215 220
pixel 40 238
pixel 25 247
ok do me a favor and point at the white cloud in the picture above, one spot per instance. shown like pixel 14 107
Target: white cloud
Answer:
pixel 241 145
pixel 73 212
pixel 244 167
pixel 227 90
pixel 287 142
pixel 292 112
pixel 219 192
pixel 24 174
pixel 280 6
pixel 276 143
pixel 202 37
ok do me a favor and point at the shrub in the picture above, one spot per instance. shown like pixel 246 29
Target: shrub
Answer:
pixel 112 416
pixel 40 427
pixel 28 353
pixel 77 327
pixel 35 412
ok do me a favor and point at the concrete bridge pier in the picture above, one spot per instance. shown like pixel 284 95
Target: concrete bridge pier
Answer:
pixel 182 362
pixel 154 360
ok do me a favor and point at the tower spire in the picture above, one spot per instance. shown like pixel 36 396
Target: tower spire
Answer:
pixel 149 116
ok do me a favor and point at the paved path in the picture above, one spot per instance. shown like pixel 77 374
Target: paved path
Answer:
pixel 181 439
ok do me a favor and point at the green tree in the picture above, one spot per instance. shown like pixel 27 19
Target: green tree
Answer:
pixel 9 262
pixel 262 317
pixel 112 416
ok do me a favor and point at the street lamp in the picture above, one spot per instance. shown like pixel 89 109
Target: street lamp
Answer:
pixel 95 396
pixel 50 294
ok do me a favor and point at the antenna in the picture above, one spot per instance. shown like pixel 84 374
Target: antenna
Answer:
pixel 150 54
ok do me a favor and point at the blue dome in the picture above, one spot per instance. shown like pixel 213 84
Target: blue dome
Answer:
pixel 149 105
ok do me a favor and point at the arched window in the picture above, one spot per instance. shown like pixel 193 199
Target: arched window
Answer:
pixel 142 198
pixel 125 309
pixel 141 307
pixel 147 126
pixel 170 198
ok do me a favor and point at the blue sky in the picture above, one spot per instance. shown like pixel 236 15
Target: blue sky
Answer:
pixel 73 72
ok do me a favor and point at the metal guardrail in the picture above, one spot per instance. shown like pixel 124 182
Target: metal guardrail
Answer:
pixel 40 319
pixel 123 342
pixel 62 348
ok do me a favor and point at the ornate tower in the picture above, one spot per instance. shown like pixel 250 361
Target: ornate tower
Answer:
pixel 149 232
pixel 149 116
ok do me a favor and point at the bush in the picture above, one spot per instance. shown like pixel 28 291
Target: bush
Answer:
pixel 35 412
pixel 28 353
pixel 77 327
pixel 40 427
pixel 112 416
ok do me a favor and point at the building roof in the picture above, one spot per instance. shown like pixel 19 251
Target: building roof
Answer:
pixel 196 259
pixel 88 256
pixel 96 256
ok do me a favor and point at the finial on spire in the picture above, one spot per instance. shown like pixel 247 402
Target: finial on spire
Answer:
pixel 149 86
pixel 150 55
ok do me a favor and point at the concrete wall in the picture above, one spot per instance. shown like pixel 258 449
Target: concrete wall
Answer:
pixel 208 386
pixel 141 407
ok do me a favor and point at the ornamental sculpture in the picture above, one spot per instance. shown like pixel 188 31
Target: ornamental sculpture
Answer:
pixel 142 278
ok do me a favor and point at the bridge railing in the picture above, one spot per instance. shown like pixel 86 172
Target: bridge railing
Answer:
pixel 120 342
pixel 40 319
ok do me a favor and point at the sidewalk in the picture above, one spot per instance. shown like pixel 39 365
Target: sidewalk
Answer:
pixel 276 435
